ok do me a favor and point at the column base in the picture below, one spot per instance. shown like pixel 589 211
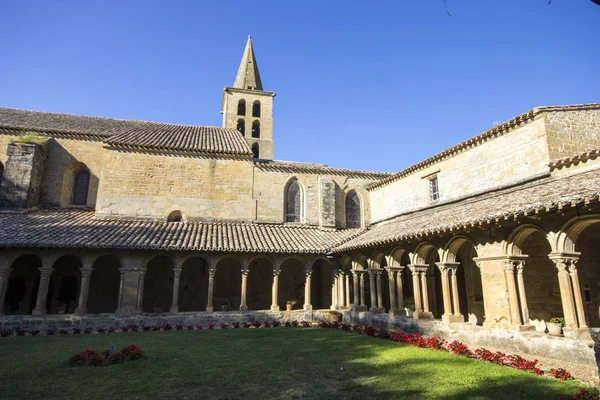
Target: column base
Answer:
pixel 451 318
pixel 38 312
pixel 210 309
pixel 307 307
pixel 243 308
pixel 394 312
pixel 358 308
pixel 174 309
pixel 422 315
pixel 274 308
pixel 577 333
pixel 79 312
pixel 374 310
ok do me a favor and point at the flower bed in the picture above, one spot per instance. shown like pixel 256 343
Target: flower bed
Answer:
pixel 91 358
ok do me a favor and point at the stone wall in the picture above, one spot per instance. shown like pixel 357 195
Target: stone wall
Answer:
pixel 269 187
pixel 151 185
pixel 22 178
pixel 572 132
pixel 504 160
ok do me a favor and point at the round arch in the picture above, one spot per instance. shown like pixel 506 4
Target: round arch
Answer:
pixel 293 200
pixel 103 293
pixel 565 240
pixel 354 209
pixel 516 239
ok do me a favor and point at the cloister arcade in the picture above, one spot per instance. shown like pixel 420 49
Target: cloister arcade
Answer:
pixel 528 276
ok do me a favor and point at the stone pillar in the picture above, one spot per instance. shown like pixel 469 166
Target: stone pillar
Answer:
pixel 513 300
pixel 373 290
pixel 176 275
pixel 141 277
pixel 399 291
pixel 212 270
pixel 340 287
pixel 445 291
pixel 243 305
pixel 86 274
pixel 362 290
pixel 275 290
pixel 416 290
pixel 425 294
pixel 577 294
pixel 392 288
pixel 522 295
pixel 45 273
pixel 121 286
pixel 379 292
pixel 5 270
pixel 131 288
pixel 307 302
pixel 455 298
pixel 566 292
pixel 334 296
pixel 355 288
pixel 347 290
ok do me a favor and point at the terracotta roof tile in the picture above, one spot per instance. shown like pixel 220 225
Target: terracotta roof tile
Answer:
pixel 72 228
pixel 544 195
pixel 321 169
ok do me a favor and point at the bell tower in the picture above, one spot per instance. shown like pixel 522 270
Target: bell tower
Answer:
pixel 248 109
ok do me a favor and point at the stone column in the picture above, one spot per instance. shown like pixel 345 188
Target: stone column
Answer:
pixel 577 293
pixel 340 287
pixel 522 295
pixel 399 291
pixel 566 292
pixel 175 302
pixel 243 305
pixel 307 302
pixel 275 290
pixel 362 290
pixel 379 292
pixel 373 290
pixel 355 288
pixel 416 290
pixel 392 289
pixel 5 271
pixel 212 270
pixel 455 298
pixel 45 273
pixel 140 292
pixel 121 286
pixel 86 273
pixel 513 301
pixel 425 294
pixel 445 290
pixel 347 290
pixel 334 296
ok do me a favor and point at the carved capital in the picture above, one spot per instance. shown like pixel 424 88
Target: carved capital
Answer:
pixel 86 272
pixel 308 273
pixel 211 272
pixel 177 272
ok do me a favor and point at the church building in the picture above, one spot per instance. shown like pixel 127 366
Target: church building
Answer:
pixel 105 219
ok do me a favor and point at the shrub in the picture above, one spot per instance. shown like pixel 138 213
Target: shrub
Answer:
pixel 236 325
pixel 256 324
pixel 87 357
pixel 295 323
pixel 101 330
pixel 34 333
pixel 134 328
pixel 560 373
pixel 133 352
pixel 166 327
pixel 90 357
pixel 189 327
pixel 146 328
pixel 178 327
pixel 584 394
pixel 30 138
pixel 276 324
pixel 223 326
pixel 211 326
pixel 305 324
pixel 287 324
pixel 88 330
pixel 460 349
pixel 21 333
pixel 50 332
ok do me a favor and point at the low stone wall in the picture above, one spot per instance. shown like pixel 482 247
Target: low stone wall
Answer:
pixel 55 322
pixel 577 356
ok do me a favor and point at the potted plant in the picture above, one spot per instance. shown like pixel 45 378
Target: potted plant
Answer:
pixel 290 304
pixel 335 316
pixel 555 326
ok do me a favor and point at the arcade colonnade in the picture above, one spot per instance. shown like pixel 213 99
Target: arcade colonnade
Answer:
pixel 527 276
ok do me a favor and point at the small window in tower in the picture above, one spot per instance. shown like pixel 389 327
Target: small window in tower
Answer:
pixel 255 150
pixel 256 129
pixel 249 87
pixel 256 109
pixel 434 191
pixel 241 107
pixel 175 216
pixel 241 127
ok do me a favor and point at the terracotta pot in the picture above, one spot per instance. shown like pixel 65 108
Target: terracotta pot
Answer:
pixel 288 307
pixel 554 329
pixel 335 317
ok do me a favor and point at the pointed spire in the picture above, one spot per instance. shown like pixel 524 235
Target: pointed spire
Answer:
pixel 248 76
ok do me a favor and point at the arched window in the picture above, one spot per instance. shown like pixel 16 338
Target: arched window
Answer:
pixel 353 210
pixel 256 129
pixel 256 109
pixel 293 202
pixel 241 127
pixel 175 216
pixel 80 188
pixel 242 107
pixel 255 150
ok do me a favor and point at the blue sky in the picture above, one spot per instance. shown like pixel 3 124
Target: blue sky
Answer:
pixel 377 85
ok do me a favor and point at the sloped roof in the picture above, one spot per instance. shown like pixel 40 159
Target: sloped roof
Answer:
pixel 72 228
pixel 127 133
pixel 544 195
pixel 481 138
pixel 247 76
pixel 321 169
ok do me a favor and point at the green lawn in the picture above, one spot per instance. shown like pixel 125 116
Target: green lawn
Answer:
pixel 258 363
